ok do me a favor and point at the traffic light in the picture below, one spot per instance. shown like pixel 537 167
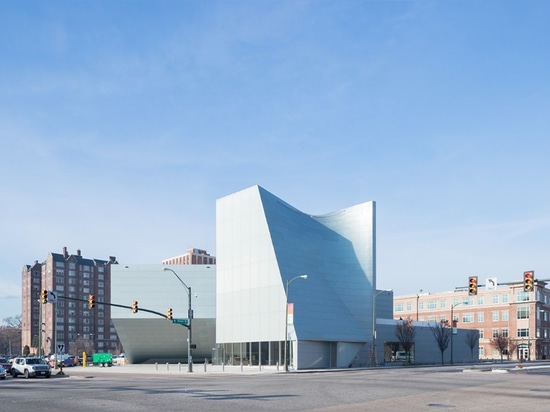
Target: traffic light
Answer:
pixel 135 306
pixel 169 314
pixel 44 296
pixel 91 301
pixel 528 279
pixel 472 286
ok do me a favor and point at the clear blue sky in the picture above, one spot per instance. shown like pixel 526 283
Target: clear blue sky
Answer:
pixel 122 122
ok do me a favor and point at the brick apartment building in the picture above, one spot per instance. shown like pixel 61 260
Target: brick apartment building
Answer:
pixel 498 308
pixel 192 257
pixel 72 279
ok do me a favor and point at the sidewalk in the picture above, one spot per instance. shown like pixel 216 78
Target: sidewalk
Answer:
pixel 170 369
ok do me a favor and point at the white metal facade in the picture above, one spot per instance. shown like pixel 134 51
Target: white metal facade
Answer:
pixel 262 243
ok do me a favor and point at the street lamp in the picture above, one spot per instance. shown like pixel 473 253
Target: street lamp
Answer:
pixel 452 326
pixel 288 282
pixel 374 321
pixel 190 317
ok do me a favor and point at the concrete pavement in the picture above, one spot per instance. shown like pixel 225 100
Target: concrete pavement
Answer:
pixel 170 369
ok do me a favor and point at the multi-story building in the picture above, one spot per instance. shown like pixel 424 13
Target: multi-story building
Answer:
pixel 192 257
pixel 69 280
pixel 498 309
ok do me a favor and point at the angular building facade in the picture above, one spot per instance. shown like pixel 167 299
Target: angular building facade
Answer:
pixel 263 247
pixel 148 337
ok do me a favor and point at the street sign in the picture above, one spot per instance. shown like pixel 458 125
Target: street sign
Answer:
pixel 60 348
pixel 181 321
pixel 52 296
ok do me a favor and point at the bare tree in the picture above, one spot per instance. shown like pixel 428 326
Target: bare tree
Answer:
pixel 10 336
pixel 442 336
pixel 500 343
pixel 82 345
pixel 405 332
pixel 512 347
pixel 472 340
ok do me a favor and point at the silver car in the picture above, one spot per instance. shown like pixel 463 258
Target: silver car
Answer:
pixel 2 372
pixel 30 367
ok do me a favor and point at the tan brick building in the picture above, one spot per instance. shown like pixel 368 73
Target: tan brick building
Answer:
pixel 192 257
pixel 74 278
pixel 498 308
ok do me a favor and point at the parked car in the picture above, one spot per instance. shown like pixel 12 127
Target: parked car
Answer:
pixel 6 364
pixel 120 359
pixel 2 372
pixel 65 360
pixel 30 367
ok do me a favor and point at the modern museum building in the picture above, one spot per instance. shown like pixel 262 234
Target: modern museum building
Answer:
pixel 284 279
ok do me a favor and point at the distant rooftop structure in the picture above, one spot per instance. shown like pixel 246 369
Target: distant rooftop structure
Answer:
pixel 192 257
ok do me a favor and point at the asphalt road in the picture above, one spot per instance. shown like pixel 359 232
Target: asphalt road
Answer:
pixel 392 389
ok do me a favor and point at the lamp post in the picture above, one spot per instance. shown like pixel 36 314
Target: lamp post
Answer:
pixel 190 317
pixel 374 320
pixel 452 327
pixel 288 282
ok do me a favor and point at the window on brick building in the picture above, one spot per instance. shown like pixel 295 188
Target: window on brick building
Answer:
pixel 468 318
pixel 523 333
pixel 523 312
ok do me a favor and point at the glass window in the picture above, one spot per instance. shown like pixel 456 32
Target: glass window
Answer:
pixel 398 307
pixel 432 304
pixel 505 332
pixel 468 318
pixel 481 317
pixel 481 333
pixel 468 301
pixel 495 298
pixel 442 304
pixel 504 298
pixel 495 333
pixel 421 305
pixel 523 312
pixel 480 300
pixel 409 304
pixel 505 315
pixel 523 333
pixel 522 296
pixel 495 316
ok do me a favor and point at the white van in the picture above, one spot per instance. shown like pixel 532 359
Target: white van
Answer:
pixel 401 356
